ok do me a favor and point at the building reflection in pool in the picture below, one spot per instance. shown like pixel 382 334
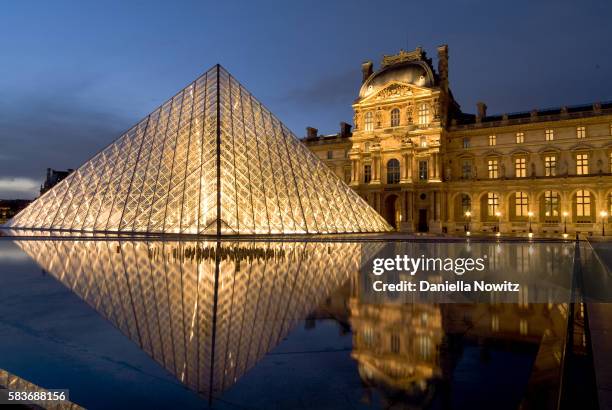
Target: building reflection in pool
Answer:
pixel 209 311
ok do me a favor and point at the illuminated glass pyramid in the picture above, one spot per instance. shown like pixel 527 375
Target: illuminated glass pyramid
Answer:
pixel 212 160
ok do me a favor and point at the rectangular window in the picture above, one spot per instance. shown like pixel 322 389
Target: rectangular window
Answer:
pixel 330 154
pixel 367 173
pixel 492 166
pixel 466 203
pixel 520 137
pixel 492 140
pixel 423 114
pixel 520 167
pixel 550 135
pixel 466 169
pixel 466 143
pixel 492 204
pixel 551 204
pixel 583 203
pixel 521 204
pixel 550 165
pixel 580 132
pixel 423 142
pixel 423 170
pixel 582 164
pixel 395 343
pixel 369 121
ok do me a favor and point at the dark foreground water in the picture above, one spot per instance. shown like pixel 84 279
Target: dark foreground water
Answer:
pixel 265 325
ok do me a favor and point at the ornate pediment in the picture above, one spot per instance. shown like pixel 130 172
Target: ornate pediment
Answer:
pixel 396 90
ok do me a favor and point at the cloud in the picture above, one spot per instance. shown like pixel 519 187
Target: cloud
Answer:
pixel 18 187
pixel 337 88
pixel 59 126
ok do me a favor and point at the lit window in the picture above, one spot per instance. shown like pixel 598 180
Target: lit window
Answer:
pixel 492 140
pixel 395 117
pixel 423 114
pixel 393 171
pixel 423 170
pixel 520 137
pixel 551 204
pixel 580 132
pixel 423 142
pixel 367 173
pixel 369 121
pixel 492 203
pixel 550 135
pixel 492 164
pixel 466 143
pixel 582 164
pixel 330 154
pixel 583 203
pixel 466 169
pixel 523 327
pixel 494 323
pixel 466 203
pixel 520 167
pixel 550 165
pixel 521 204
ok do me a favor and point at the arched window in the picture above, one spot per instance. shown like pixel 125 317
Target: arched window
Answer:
pixel 393 171
pixel 492 204
pixel 369 121
pixel 583 203
pixel 551 204
pixel 521 204
pixel 466 203
pixel 395 117
pixel 423 114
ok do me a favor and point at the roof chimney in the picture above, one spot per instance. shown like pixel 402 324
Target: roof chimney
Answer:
pixel 481 111
pixel 366 70
pixel 311 133
pixel 345 130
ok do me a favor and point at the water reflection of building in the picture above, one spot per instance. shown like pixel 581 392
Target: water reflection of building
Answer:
pixel 207 312
pixel 422 162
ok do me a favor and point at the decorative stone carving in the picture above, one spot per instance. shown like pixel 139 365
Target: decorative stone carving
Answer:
pixel 394 90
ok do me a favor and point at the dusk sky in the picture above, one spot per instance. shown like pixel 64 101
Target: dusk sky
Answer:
pixel 75 74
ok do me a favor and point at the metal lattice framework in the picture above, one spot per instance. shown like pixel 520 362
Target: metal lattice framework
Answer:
pixel 206 311
pixel 212 160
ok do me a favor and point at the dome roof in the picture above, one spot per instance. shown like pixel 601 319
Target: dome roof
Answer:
pixel 418 73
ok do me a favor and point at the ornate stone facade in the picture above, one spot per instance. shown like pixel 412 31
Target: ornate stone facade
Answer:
pixel 427 166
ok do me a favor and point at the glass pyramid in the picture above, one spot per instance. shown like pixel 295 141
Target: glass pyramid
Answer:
pixel 212 160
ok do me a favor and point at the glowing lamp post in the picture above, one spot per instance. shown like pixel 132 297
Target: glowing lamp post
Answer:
pixel 468 216
pixel 498 215
pixel 603 215
pixel 565 224
pixel 530 215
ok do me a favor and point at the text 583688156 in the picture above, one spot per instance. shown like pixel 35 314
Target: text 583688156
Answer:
pixel 34 396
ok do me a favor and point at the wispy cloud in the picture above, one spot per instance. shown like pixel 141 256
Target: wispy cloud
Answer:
pixel 18 187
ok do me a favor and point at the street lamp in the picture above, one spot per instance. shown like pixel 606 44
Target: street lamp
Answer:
pixel 498 215
pixel 468 216
pixel 603 215
pixel 565 224
pixel 530 214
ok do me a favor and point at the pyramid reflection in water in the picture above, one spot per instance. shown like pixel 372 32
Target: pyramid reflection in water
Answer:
pixel 211 161
pixel 206 311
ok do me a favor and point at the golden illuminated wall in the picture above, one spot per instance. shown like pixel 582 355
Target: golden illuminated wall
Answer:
pixel 211 160
pixel 205 311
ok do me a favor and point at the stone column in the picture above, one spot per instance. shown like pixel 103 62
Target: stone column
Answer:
pixel 375 169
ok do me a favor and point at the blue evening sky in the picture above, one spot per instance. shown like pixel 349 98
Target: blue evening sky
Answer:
pixel 74 74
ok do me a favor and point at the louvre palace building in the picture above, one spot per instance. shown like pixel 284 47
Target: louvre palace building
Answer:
pixel 426 166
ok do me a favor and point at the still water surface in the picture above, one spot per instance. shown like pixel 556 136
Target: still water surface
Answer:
pixel 137 324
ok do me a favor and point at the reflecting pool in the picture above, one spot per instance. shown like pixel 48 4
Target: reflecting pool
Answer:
pixel 186 324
